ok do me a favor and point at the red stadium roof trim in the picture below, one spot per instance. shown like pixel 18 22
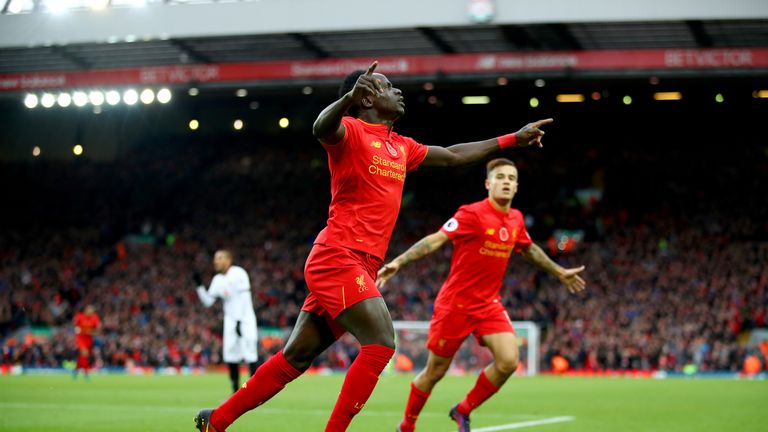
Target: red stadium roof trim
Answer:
pixel 669 59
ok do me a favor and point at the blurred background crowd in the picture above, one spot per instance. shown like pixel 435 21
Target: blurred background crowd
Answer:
pixel 676 260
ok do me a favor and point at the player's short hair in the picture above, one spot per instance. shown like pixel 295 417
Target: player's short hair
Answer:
pixel 347 85
pixel 228 252
pixel 495 163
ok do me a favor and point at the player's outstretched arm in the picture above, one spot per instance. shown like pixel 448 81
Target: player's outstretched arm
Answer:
pixel 466 153
pixel 568 277
pixel 206 298
pixel 419 250
pixel 328 128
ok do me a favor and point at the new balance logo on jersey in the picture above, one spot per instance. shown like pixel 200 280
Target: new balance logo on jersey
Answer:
pixel 490 231
pixel 360 280
pixel 376 144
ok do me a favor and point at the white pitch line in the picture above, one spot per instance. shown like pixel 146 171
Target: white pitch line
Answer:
pixel 525 424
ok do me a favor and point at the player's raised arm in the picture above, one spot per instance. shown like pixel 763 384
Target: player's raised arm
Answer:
pixel 568 277
pixel 419 250
pixel 465 153
pixel 205 296
pixel 328 128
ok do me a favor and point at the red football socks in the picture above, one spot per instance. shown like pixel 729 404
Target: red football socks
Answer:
pixel 416 401
pixel 482 390
pixel 268 380
pixel 358 385
pixel 83 363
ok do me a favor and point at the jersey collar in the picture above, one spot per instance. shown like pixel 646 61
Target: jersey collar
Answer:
pixel 495 210
pixel 378 127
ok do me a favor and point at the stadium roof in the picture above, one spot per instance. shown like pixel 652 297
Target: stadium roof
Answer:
pixel 409 41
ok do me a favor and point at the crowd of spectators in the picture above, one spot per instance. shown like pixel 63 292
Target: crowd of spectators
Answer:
pixel 676 274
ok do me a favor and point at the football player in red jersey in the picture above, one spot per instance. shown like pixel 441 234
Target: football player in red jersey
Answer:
pixel 484 235
pixel 368 164
pixel 86 325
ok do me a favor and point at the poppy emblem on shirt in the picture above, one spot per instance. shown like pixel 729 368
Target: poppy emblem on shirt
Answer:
pixel 504 234
pixel 376 144
pixel 391 149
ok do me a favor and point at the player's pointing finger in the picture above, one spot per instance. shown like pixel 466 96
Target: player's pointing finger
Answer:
pixel 542 122
pixel 372 68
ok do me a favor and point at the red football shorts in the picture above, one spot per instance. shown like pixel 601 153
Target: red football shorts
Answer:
pixel 448 329
pixel 84 342
pixel 338 278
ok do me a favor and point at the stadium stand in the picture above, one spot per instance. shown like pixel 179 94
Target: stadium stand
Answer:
pixel 675 267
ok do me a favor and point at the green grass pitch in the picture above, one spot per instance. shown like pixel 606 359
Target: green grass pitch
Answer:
pixel 168 403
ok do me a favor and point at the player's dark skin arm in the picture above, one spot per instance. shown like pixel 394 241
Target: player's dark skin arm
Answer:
pixel 328 127
pixel 569 277
pixel 467 153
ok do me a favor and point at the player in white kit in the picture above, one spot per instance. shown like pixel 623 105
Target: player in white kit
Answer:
pixel 232 286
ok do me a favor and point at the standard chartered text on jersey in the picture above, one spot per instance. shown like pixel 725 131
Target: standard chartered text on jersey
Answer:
pixel 378 162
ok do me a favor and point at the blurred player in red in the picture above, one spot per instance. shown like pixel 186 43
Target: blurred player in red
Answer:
pixel 86 325
pixel 368 164
pixel 484 235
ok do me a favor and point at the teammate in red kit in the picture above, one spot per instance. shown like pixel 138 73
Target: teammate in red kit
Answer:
pixel 484 235
pixel 368 164
pixel 86 324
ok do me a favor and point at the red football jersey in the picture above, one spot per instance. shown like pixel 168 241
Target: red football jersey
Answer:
pixel 483 240
pixel 368 169
pixel 86 324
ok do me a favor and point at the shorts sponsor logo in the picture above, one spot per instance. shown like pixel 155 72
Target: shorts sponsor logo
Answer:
pixel 452 225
